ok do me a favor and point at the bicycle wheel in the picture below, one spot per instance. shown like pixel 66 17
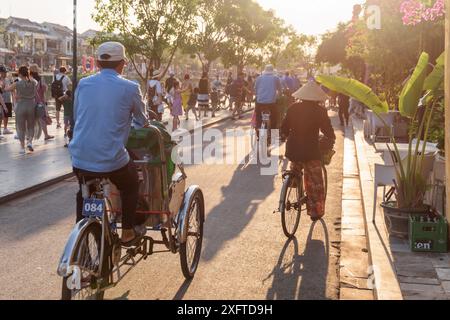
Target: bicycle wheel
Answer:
pixel 87 258
pixel 190 251
pixel 224 104
pixel 263 144
pixel 291 204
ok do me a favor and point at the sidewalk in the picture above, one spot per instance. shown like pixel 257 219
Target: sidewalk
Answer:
pixel 51 162
pixel 399 273
pixel 356 281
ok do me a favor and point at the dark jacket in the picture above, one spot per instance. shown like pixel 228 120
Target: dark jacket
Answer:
pixel 302 126
pixel 203 86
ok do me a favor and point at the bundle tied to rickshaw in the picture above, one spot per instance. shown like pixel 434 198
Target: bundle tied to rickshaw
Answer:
pixel 144 142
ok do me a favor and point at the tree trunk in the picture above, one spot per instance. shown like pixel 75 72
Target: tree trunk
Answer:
pixel 207 67
pixel 170 61
pixel 240 67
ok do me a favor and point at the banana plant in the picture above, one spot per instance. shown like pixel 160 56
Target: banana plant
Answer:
pixel 410 184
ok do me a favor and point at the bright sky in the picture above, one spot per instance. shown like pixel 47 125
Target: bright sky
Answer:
pixel 307 16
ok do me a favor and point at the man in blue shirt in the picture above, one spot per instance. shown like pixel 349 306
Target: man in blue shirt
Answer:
pixel 267 87
pixel 289 82
pixel 105 105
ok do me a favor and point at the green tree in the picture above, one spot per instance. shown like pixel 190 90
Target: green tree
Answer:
pixel 213 25
pixel 383 58
pixel 333 51
pixel 153 29
pixel 249 32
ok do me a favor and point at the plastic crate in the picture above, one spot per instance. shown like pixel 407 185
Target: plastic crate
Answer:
pixel 428 234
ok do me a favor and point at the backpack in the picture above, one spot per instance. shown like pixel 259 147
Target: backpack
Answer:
pixel 57 88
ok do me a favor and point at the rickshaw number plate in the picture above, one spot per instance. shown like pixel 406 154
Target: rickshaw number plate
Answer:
pixel 93 208
pixel 266 117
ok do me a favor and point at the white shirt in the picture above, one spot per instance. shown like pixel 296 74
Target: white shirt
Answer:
pixel 65 82
pixel 159 91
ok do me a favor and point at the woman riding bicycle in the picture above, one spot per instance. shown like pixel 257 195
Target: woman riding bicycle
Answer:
pixel 301 127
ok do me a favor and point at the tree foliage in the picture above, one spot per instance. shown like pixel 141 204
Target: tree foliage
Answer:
pixel 250 30
pixel 153 29
pixel 383 58
pixel 210 34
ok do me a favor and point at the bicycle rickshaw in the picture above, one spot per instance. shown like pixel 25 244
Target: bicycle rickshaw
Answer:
pixel 94 259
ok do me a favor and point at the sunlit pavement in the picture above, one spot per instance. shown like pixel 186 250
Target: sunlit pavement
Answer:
pixel 245 254
pixel 51 160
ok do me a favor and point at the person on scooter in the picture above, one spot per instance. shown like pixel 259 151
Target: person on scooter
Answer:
pixel 104 107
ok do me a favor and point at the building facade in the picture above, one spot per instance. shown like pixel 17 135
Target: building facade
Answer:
pixel 47 44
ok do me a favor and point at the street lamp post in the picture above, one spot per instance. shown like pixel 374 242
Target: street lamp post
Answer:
pixel 447 104
pixel 75 49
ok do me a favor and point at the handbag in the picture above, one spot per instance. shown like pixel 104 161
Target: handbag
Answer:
pixel 40 111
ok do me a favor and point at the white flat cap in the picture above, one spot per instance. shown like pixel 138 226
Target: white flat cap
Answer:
pixel 111 51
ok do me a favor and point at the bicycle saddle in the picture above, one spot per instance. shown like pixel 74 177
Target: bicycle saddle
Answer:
pixel 91 175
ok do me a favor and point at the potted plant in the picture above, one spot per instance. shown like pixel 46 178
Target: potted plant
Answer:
pixel 410 183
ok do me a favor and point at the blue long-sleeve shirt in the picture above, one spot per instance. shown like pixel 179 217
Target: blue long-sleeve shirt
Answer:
pixel 266 87
pixel 105 105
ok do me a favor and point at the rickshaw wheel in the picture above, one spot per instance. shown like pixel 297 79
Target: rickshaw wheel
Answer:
pixel 88 256
pixel 190 251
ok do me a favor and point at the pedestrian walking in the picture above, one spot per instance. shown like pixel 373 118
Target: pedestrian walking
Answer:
pixel 186 91
pixel 60 84
pixel 169 84
pixel 177 108
pixel 214 101
pixel 69 121
pixel 5 81
pixel 25 90
pixel 192 103
pixel 203 94
pixel 3 110
pixel 344 105
pixel 155 95
pixel 41 102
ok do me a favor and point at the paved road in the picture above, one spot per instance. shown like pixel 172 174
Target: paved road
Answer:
pixel 245 254
pixel 50 159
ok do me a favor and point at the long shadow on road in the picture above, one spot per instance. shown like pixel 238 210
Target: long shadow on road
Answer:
pixel 241 199
pixel 301 277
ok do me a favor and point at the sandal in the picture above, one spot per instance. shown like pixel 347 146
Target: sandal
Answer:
pixel 139 233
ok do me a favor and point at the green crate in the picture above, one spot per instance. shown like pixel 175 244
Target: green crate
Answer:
pixel 426 236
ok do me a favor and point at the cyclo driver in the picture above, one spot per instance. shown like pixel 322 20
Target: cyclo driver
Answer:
pixel 301 126
pixel 104 107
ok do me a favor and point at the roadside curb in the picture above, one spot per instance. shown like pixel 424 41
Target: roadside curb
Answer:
pixel 386 284
pixel 21 193
pixel 355 281
pixel 53 181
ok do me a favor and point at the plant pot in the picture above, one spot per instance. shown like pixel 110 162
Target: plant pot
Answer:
pixel 397 220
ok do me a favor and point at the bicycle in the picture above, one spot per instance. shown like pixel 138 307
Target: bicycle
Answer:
pixel 94 259
pixel 293 199
pixel 224 101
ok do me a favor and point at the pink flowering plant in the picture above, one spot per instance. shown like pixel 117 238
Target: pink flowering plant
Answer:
pixel 417 11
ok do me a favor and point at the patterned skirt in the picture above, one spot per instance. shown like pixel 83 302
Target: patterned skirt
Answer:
pixel 314 186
